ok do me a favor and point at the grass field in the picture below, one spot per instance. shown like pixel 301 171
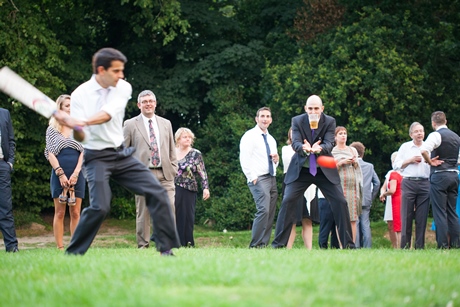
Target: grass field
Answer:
pixel 222 271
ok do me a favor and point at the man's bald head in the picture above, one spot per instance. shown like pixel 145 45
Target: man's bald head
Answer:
pixel 314 105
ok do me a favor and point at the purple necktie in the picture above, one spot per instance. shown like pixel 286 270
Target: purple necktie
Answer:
pixel 313 156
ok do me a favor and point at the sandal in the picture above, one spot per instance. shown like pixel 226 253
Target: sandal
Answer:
pixel 63 196
pixel 71 201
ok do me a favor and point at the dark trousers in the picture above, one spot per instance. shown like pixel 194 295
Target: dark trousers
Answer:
pixel 185 215
pixel 6 207
pixel 415 204
pixel 443 197
pixel 333 194
pixel 326 225
pixel 99 167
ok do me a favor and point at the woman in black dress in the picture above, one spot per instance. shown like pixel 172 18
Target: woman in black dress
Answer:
pixel 67 183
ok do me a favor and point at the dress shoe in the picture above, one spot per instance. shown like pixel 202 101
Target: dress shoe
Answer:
pixel 167 253
pixel 13 250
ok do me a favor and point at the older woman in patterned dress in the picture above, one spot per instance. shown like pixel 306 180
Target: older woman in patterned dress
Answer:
pixel 190 167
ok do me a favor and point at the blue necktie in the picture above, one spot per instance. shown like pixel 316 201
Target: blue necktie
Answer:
pixel 270 164
pixel 313 156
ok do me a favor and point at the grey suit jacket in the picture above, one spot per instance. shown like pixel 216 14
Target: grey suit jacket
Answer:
pixel 8 144
pixel 371 182
pixel 301 131
pixel 136 136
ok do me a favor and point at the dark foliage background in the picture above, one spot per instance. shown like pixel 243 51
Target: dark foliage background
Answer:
pixel 378 66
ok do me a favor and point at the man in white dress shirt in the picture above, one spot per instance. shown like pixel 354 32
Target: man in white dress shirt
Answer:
pixel 415 198
pixel 259 159
pixel 99 106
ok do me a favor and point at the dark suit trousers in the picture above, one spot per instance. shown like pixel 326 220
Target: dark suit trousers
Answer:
pixel 99 167
pixel 443 197
pixel 333 194
pixel 6 207
pixel 326 225
pixel 415 203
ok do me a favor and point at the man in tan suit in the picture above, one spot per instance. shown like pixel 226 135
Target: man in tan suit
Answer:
pixel 152 136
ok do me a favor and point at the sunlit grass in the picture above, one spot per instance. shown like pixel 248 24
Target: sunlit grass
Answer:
pixel 223 271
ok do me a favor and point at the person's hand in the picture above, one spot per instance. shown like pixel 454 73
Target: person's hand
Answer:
pixel 254 181
pixel 275 157
pixel 382 197
pixel 64 181
pixel 345 161
pixel 416 159
pixel 435 162
pixel 306 146
pixel 206 194
pixel 316 148
pixel 73 179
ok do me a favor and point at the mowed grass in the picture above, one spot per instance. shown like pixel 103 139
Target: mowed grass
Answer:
pixel 224 272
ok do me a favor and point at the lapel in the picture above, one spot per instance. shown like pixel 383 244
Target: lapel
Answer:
pixel 161 129
pixel 139 123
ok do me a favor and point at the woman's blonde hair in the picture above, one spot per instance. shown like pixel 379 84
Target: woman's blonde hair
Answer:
pixel 181 131
pixel 59 101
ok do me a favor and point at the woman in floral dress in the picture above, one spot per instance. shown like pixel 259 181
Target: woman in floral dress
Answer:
pixel 190 167
pixel 351 176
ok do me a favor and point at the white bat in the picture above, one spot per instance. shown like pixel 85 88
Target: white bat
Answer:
pixel 18 88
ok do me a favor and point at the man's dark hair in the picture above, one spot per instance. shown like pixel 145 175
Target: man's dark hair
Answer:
pixel 263 109
pixel 439 118
pixel 359 148
pixel 105 56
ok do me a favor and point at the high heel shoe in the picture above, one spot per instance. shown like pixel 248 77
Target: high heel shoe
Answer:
pixel 71 201
pixel 63 196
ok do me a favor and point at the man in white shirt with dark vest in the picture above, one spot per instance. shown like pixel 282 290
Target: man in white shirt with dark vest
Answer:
pixel 99 106
pixel 444 145
pixel 259 159
pixel 415 198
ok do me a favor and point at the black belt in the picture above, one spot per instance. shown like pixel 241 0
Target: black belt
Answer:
pixel 155 167
pixel 416 178
pixel 119 148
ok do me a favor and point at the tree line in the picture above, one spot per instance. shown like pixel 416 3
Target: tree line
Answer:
pixel 378 66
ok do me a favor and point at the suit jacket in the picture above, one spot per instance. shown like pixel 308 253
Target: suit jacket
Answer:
pixel 301 131
pixel 135 135
pixel 371 182
pixel 8 144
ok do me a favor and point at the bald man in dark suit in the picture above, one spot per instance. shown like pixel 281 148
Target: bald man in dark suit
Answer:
pixel 7 149
pixel 303 172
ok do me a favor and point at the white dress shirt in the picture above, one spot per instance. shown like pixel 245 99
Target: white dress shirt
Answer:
pixel 157 134
pixel 407 151
pixel 434 140
pixel 84 104
pixel 253 153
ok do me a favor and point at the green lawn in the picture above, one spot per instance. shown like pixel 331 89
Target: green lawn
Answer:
pixel 222 271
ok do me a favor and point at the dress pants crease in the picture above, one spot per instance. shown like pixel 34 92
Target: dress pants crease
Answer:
pixel 443 197
pixel 99 166
pixel 334 195
pixel 6 207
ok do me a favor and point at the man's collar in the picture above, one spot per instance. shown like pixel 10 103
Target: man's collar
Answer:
pixel 146 119
pixel 440 127
pixel 257 126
